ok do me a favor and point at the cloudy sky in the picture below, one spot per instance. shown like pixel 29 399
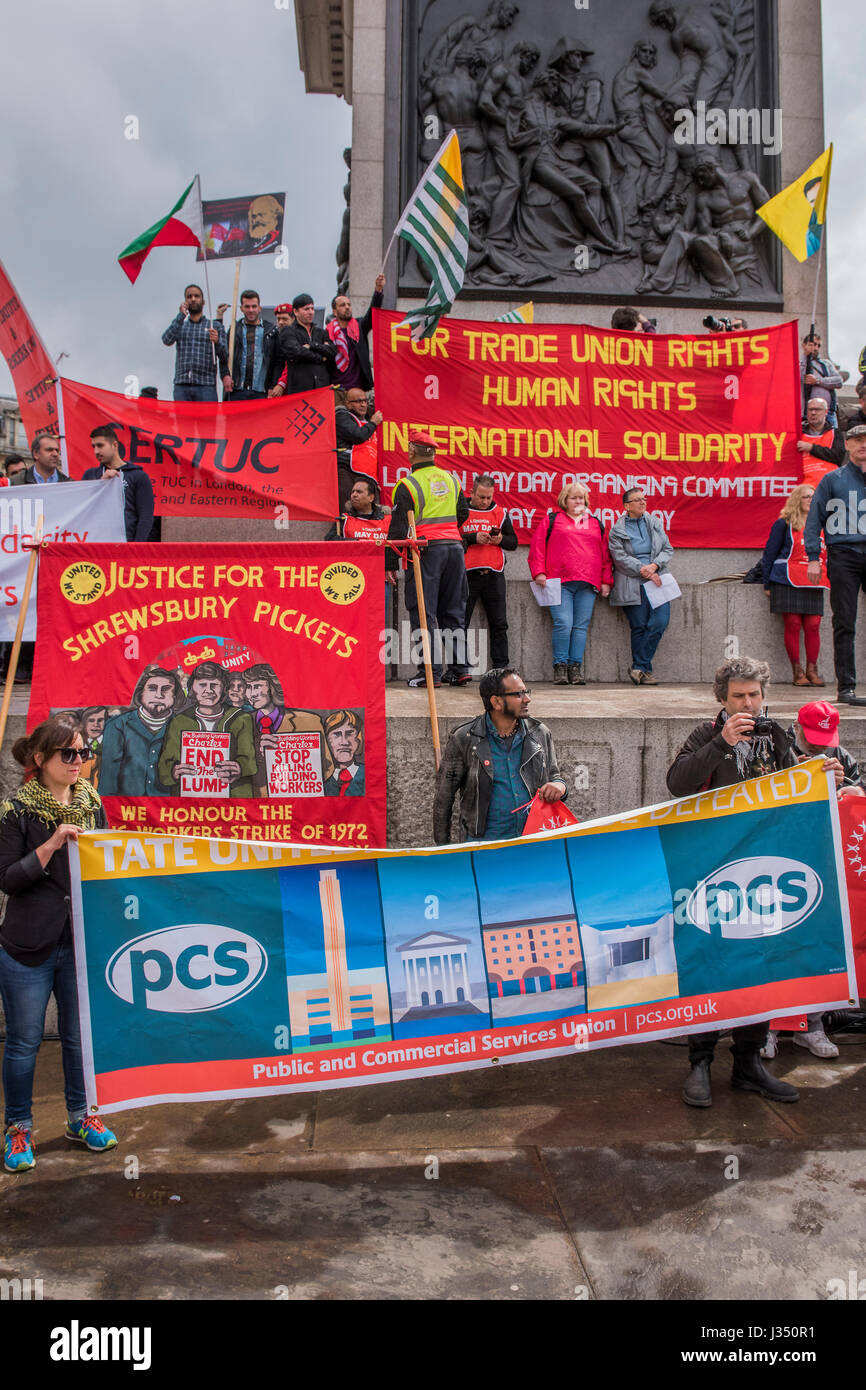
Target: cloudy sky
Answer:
pixel 217 90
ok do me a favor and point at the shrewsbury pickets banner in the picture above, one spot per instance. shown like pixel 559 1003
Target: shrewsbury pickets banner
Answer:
pixel 220 969
pixel 232 690
pixel 256 458
pixel 70 514
pixel 708 425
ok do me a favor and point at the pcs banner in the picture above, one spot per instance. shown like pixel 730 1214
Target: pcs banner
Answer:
pixel 252 458
pixel 215 969
pixel 229 690
pixel 707 426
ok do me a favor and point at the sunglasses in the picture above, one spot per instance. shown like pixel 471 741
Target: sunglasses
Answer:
pixel 69 755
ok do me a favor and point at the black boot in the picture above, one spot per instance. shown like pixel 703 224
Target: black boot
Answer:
pixel 560 674
pixel 697 1090
pixel 750 1074
pixel 575 673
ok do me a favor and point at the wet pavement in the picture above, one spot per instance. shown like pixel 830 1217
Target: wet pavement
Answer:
pixel 582 1177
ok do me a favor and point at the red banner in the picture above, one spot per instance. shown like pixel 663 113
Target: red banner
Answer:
pixel 852 820
pixel 32 370
pixel 248 459
pixel 227 690
pixel 708 426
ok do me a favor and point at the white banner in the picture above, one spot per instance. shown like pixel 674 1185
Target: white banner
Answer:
pixel 71 514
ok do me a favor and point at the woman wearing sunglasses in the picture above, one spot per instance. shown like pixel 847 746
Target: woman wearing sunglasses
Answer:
pixel 51 807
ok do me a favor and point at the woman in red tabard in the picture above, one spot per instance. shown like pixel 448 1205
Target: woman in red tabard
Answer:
pixel 569 544
pixel 787 586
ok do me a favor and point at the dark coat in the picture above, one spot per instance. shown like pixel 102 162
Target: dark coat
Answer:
pixel 465 768
pixel 39 902
pixel 852 776
pixel 30 476
pixel 137 498
pixel 311 357
pixel 706 760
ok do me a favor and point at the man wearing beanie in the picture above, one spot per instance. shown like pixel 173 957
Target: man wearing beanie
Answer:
pixel 308 350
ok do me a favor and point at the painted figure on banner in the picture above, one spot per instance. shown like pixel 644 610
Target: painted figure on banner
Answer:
pixel 344 730
pixel 272 722
pixel 209 747
pixel 132 741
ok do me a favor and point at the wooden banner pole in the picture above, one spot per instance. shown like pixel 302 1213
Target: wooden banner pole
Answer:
pixel 22 616
pixel 233 327
pixel 425 643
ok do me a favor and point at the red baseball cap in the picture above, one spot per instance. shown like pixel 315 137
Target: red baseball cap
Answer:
pixel 283 309
pixel 820 724
pixel 422 437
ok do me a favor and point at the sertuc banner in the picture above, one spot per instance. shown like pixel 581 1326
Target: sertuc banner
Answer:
pixel 708 426
pixel 219 969
pixel 230 690
pixel 256 458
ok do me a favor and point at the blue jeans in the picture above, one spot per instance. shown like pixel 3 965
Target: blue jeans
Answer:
pixel 571 621
pixel 25 990
pixel 241 394
pixel 647 625
pixel 194 393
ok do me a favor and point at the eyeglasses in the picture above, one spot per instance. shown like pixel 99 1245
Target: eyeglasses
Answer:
pixel 521 693
pixel 69 755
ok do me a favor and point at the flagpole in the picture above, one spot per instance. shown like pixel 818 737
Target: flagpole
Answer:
pixel 817 281
pixel 204 258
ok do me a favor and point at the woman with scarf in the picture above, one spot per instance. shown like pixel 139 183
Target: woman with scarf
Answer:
pixel 51 807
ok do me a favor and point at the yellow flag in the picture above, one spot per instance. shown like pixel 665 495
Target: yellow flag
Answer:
pixel 525 314
pixel 797 214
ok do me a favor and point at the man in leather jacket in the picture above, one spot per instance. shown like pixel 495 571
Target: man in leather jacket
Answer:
pixel 497 763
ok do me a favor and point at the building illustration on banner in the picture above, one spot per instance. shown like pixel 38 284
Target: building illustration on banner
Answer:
pixel 343 1002
pixel 435 956
pixel 534 962
pixel 625 909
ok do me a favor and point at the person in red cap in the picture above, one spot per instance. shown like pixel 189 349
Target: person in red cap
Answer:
pixel 816 731
pixel 283 317
pixel 440 510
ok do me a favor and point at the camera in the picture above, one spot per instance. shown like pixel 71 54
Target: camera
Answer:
pixel 717 325
pixel 763 725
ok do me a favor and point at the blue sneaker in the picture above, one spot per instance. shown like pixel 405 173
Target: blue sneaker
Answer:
pixel 92 1132
pixel 19 1156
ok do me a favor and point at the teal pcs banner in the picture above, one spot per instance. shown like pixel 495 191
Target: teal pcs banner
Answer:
pixel 225 968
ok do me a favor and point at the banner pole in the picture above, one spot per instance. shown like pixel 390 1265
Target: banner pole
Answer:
pixel 204 259
pixel 231 361
pixel 425 643
pixel 22 616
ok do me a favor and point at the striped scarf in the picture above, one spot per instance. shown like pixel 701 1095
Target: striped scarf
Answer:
pixel 335 332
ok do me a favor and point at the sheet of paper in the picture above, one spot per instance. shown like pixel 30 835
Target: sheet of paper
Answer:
pixel 664 592
pixel 547 595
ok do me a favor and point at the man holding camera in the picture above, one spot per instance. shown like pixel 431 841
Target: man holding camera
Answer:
pixel 819 378
pixel 740 743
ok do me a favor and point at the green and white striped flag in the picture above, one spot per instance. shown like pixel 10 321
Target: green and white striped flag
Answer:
pixel 435 222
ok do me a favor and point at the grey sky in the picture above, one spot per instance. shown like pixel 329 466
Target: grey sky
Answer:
pixel 217 89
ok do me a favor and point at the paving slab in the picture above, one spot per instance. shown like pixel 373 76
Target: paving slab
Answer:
pixel 359 1227
pixel 777 1220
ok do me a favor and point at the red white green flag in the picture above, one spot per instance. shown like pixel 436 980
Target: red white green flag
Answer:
pixel 183 226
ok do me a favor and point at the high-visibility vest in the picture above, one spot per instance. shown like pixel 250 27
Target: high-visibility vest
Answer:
pixel 364 528
pixel 798 561
pixel 434 493
pixel 488 557
pixel 814 469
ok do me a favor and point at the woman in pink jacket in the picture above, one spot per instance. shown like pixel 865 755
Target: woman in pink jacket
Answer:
pixel 569 544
